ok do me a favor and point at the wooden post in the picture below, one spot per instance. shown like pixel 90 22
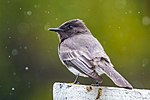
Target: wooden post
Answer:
pixel 68 91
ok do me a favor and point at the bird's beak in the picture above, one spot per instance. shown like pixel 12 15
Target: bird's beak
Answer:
pixel 55 29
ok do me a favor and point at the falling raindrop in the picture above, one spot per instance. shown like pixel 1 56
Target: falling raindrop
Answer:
pixel 145 62
pixel 14 73
pixel 14 52
pixel 23 28
pixel 36 38
pixel 46 27
pixel 29 84
pixel 146 20
pixel 35 6
pixel 10 93
pixel 12 89
pixel 139 12
pixel 8 1
pixel 26 68
pixel 9 37
pixel 25 47
pixel 20 47
pixel 29 13
pixel 130 11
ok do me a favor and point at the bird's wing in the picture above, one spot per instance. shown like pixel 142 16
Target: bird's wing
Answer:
pixel 87 64
pixel 81 61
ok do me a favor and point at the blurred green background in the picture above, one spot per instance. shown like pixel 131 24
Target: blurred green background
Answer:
pixel 29 64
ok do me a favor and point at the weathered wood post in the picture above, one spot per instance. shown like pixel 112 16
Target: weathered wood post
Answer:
pixel 68 91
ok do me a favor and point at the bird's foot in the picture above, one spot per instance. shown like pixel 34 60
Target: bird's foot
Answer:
pixel 76 82
pixel 96 84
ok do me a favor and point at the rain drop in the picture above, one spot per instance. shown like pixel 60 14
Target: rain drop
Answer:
pixel 14 52
pixel 25 47
pixel 145 62
pixel 146 20
pixel 35 6
pixel 23 28
pixel 10 93
pixel 26 68
pixel 36 38
pixel 139 12
pixel 14 73
pixel 29 13
pixel 29 84
pixel 12 89
pixel 130 11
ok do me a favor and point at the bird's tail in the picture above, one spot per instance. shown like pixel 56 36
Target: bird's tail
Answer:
pixel 114 75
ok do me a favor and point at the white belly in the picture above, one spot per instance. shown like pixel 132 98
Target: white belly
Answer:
pixel 76 72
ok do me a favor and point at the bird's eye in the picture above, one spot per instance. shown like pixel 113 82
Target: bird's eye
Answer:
pixel 70 27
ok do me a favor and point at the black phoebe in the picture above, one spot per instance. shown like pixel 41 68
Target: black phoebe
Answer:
pixel 83 55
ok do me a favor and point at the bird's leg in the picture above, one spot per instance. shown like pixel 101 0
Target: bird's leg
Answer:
pixel 76 79
pixel 98 82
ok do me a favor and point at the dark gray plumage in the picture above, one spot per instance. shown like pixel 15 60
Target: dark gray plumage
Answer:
pixel 83 55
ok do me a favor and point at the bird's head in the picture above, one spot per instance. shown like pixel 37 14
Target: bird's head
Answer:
pixel 71 28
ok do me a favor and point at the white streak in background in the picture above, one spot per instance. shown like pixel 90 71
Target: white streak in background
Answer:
pixel 14 52
pixel 146 20
pixel 29 13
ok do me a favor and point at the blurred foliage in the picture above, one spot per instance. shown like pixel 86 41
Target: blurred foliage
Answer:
pixel 29 63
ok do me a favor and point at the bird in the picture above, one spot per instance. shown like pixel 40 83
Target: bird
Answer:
pixel 84 55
